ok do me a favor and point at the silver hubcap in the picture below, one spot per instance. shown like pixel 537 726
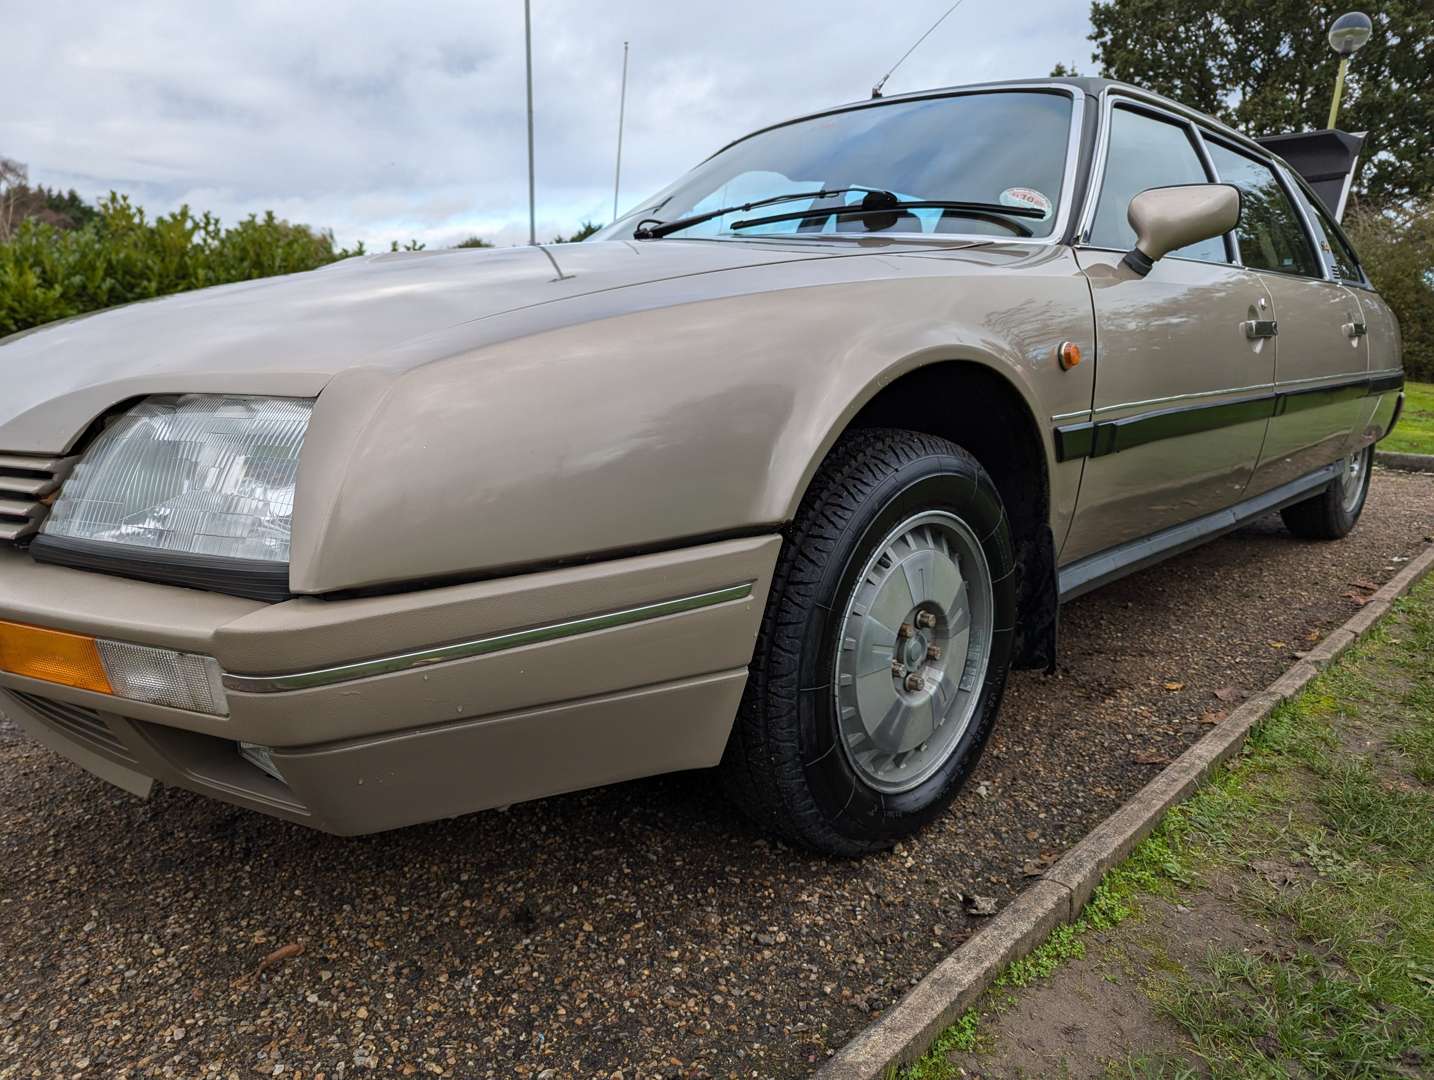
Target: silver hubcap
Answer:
pixel 912 655
pixel 1351 480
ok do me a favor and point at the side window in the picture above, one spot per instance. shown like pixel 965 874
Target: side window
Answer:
pixel 1342 261
pixel 1271 236
pixel 1144 153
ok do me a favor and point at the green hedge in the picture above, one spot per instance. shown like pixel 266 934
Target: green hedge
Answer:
pixel 49 273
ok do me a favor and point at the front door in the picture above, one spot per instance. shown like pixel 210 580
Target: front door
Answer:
pixel 1183 371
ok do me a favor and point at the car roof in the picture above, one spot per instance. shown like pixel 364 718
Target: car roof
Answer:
pixel 1091 86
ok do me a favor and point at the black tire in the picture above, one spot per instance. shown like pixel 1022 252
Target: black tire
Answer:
pixel 783 764
pixel 1332 513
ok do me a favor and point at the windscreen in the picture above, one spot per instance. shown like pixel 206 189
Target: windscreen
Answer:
pixel 1006 148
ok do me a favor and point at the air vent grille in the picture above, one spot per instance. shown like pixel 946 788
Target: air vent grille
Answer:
pixel 84 726
pixel 27 482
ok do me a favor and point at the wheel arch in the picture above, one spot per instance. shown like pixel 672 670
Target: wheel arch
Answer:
pixel 990 414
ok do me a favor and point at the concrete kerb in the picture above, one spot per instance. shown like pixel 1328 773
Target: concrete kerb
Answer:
pixel 1407 462
pixel 904 1032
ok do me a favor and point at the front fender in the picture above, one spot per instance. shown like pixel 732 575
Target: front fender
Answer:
pixel 655 426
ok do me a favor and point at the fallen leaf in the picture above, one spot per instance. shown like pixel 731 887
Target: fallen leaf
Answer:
pixel 1277 644
pixel 1229 693
pixel 278 956
pixel 1313 635
pixel 1362 583
pixel 1213 717
pixel 1172 686
pixel 1358 598
pixel 980 905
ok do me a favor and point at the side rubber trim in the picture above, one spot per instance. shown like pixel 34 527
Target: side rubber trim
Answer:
pixel 387 665
pixel 1100 437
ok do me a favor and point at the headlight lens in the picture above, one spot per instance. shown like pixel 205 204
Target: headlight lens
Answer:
pixel 203 474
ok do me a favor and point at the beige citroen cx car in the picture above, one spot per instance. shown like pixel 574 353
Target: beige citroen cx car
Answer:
pixel 784 471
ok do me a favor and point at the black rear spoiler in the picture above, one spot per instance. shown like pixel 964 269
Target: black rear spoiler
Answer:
pixel 1326 159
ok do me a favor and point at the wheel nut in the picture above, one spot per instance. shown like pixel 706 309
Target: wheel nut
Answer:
pixel 898 668
pixel 925 620
pixel 905 631
pixel 933 652
pixel 915 682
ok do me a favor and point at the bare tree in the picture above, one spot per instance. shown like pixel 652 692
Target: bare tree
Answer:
pixel 14 186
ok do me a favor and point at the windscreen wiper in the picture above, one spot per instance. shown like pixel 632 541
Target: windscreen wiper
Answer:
pixel 887 204
pixel 655 228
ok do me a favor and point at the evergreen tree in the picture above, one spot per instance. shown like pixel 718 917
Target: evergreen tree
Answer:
pixel 1265 66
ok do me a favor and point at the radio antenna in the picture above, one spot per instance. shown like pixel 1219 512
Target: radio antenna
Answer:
pixel 876 90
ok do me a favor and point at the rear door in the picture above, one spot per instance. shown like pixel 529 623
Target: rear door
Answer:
pixel 1381 336
pixel 1321 354
pixel 1182 393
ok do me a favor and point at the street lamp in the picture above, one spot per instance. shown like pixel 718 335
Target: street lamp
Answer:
pixel 1347 35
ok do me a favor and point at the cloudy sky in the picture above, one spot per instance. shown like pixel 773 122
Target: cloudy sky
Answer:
pixel 406 119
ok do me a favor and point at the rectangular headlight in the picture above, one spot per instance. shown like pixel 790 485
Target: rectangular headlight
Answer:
pixel 199 475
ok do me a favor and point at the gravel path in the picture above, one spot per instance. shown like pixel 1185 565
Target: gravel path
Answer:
pixel 641 930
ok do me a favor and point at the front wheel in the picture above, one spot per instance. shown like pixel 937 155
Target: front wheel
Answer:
pixel 1332 513
pixel 884 649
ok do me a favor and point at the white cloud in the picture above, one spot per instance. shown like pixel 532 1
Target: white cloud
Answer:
pixel 390 121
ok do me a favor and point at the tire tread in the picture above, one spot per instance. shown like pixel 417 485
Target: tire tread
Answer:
pixel 762 770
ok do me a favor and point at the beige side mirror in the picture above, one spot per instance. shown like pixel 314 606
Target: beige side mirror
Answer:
pixel 1165 219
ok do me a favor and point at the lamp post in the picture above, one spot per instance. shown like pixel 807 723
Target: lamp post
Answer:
pixel 1347 35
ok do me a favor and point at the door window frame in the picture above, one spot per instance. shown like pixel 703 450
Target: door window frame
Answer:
pixel 1328 223
pixel 1101 158
pixel 1278 170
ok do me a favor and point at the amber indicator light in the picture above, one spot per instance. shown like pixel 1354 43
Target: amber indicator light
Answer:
pixel 53 656
pixel 1069 354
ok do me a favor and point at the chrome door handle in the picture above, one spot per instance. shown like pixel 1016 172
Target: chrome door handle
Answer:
pixel 1260 328
pixel 1356 329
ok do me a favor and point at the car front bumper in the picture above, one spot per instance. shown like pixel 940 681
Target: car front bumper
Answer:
pixel 385 711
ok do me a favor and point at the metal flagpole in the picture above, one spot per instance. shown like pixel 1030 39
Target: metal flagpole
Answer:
pixel 621 115
pixel 532 198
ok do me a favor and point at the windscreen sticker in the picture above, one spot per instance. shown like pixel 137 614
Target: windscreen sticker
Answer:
pixel 1028 197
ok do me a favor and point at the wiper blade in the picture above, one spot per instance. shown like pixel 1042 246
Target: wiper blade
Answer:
pixel 891 206
pixel 655 228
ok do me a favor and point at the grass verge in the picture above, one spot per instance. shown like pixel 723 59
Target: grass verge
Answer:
pixel 1414 434
pixel 1322 831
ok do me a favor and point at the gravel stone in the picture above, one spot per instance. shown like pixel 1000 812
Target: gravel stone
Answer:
pixel 641 930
